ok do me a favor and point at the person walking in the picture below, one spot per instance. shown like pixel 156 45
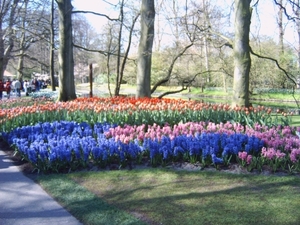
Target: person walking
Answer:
pixel 1 89
pixel 8 88
pixel 18 87
pixel 35 82
pixel 12 87
pixel 26 85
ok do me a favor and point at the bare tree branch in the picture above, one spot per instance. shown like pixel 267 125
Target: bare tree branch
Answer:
pixel 34 59
pixel 97 14
pixel 255 4
pixel 105 53
pixel 127 49
pixel 285 11
pixel 169 73
pixel 186 84
pixel 93 50
pixel 173 92
pixel 277 64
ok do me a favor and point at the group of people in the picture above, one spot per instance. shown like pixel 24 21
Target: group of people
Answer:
pixel 18 85
pixel 9 86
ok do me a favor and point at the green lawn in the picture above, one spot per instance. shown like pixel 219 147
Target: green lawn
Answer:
pixel 168 196
pixel 272 99
pixel 295 121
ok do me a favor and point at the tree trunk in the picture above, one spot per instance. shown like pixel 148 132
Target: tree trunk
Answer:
pixel 52 72
pixel 206 46
pixel 22 43
pixel 66 61
pixel 20 66
pixel 108 60
pixel 280 27
pixel 241 50
pixel 6 34
pixel 118 79
pixel 298 32
pixel 145 49
pixel 297 22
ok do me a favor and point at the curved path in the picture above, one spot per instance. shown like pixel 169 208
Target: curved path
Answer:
pixel 22 201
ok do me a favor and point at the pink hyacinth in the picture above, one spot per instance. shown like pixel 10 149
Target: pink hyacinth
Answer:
pixel 294 155
pixel 249 159
pixel 271 153
pixel 243 155
pixel 268 153
pixel 280 154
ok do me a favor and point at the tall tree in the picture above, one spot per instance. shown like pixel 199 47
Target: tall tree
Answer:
pixel 118 79
pixel 205 39
pixel 280 27
pixel 23 45
pixel 31 39
pixel 145 49
pixel 296 9
pixel 241 51
pixel 126 53
pixel 8 13
pixel 52 46
pixel 66 68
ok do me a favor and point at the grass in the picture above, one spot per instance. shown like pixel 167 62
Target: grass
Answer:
pixel 295 121
pixel 85 205
pixel 167 196
pixel 212 95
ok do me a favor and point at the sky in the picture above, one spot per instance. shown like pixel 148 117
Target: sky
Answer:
pixel 263 17
pixel 99 7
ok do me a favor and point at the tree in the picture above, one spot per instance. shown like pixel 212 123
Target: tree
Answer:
pixel 23 46
pixel 8 14
pixel 296 9
pixel 66 69
pixel 52 47
pixel 32 39
pixel 115 42
pixel 145 49
pixel 118 78
pixel 84 36
pixel 241 51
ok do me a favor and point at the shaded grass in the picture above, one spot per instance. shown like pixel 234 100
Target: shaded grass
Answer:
pixel 267 99
pixel 84 205
pixel 295 121
pixel 162 196
pixel 278 96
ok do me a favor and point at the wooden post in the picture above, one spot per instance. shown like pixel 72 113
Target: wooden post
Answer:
pixel 91 80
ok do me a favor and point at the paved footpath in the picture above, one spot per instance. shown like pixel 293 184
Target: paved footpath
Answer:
pixel 24 202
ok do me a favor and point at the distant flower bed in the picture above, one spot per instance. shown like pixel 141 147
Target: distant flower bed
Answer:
pixel 132 111
pixel 65 146
pixel 44 93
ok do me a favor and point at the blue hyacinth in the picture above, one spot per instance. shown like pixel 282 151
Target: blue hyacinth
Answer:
pixel 61 142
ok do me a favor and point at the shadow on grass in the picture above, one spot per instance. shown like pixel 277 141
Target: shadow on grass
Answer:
pixel 233 201
pixel 82 204
pixel 158 196
pixel 180 197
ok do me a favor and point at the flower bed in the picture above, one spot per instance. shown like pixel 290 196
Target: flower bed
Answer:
pixel 122 110
pixel 124 131
pixel 63 145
